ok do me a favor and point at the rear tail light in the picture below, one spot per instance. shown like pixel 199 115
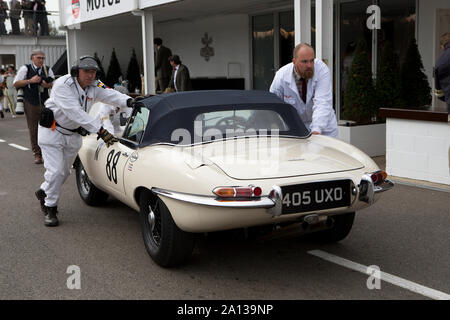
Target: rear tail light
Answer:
pixel 238 192
pixel 378 177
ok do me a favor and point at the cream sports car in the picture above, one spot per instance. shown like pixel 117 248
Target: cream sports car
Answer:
pixel 206 161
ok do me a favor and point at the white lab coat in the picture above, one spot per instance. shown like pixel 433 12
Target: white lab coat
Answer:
pixel 317 114
pixel 70 105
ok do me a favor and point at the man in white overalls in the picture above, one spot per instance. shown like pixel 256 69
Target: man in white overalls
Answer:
pixel 60 138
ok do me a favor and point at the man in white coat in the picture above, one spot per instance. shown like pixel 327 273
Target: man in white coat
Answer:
pixel 59 135
pixel 305 83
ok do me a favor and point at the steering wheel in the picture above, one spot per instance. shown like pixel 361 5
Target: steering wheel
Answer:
pixel 233 121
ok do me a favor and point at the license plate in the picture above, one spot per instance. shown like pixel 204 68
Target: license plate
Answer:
pixel 315 196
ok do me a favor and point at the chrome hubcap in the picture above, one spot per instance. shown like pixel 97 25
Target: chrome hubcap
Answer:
pixel 154 222
pixel 85 183
pixel 151 218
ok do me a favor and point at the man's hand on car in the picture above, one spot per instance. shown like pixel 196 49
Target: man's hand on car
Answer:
pixel 106 136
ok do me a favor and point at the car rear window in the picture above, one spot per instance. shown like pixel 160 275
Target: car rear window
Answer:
pixel 240 122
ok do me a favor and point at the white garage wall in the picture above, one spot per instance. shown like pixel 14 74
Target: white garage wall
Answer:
pixel 230 34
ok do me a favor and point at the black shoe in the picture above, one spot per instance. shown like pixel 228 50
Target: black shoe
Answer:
pixel 40 194
pixel 2 114
pixel 50 218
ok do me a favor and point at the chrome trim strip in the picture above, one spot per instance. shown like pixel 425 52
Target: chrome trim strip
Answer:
pixel 227 139
pixel 263 202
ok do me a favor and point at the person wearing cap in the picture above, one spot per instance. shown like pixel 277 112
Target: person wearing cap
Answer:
pixel 35 79
pixel 60 138
pixel 180 80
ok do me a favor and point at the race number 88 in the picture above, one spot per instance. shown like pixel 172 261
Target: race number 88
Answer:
pixel 111 172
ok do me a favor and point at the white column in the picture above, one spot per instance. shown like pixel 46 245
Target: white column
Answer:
pixel 324 32
pixel 72 48
pixel 302 21
pixel 148 52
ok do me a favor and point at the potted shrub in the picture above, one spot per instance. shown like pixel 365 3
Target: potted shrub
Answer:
pixel 360 107
pixel 388 88
pixel 415 89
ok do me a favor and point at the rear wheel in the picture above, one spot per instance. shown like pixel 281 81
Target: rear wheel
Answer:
pixel 90 194
pixel 165 242
pixel 341 228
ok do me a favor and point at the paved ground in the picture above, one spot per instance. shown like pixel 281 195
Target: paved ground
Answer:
pixel 405 234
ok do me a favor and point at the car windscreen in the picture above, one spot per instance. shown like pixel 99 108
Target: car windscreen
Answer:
pixel 204 124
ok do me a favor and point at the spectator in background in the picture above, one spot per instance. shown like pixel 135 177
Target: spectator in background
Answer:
pixel 12 92
pixel 3 16
pixel 14 16
pixel 162 67
pixel 35 79
pixel 180 80
pixel 40 17
pixel 27 6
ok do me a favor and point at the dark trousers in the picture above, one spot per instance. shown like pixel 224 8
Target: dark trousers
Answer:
pixel 40 19
pixel 163 83
pixel 15 25
pixel 2 27
pixel 33 114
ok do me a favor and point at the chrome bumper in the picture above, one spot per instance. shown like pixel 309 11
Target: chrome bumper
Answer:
pixel 262 202
pixel 368 193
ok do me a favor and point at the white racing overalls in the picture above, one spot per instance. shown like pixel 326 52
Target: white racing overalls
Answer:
pixel 70 105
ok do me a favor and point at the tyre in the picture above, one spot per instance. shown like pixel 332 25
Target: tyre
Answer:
pixel 341 228
pixel 165 242
pixel 90 194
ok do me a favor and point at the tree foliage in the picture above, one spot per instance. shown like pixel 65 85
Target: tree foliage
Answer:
pixel 360 92
pixel 133 73
pixel 388 90
pixel 114 71
pixel 415 89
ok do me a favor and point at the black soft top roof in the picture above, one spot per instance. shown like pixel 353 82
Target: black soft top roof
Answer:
pixel 172 111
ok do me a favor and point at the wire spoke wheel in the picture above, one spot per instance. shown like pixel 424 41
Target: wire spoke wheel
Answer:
pixel 166 244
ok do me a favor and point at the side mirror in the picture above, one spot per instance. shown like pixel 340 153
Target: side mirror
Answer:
pixel 123 119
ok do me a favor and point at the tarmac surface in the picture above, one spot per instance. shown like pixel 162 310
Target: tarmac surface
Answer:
pixel 405 234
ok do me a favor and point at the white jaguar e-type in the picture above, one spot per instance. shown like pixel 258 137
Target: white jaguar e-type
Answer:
pixel 205 161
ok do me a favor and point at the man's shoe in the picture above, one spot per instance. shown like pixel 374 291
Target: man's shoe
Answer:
pixel 50 218
pixel 2 114
pixel 38 159
pixel 40 194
